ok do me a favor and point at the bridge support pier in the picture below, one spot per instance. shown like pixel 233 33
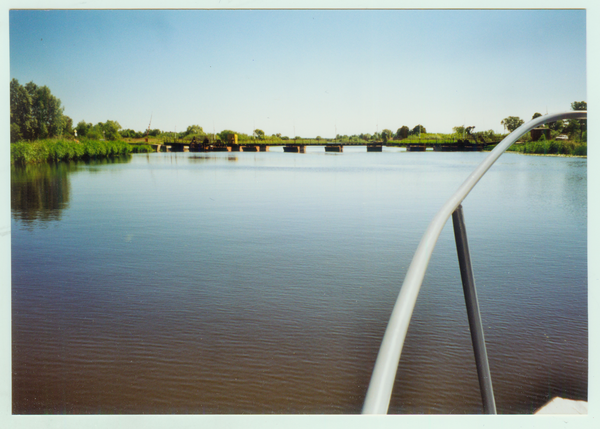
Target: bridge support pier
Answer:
pixel 295 148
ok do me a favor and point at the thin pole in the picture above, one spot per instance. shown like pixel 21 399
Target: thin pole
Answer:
pixel 475 325
pixel 378 395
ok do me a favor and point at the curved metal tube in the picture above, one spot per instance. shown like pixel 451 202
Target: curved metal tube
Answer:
pixel 384 373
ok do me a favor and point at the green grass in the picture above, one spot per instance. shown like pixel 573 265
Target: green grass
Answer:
pixel 552 147
pixel 141 148
pixel 55 150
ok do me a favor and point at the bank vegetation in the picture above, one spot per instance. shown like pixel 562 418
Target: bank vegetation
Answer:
pixel 55 150
pixel 40 132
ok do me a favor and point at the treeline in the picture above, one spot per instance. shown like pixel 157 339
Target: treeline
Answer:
pixel 35 113
pixel 260 135
pixel 108 130
pixel 572 128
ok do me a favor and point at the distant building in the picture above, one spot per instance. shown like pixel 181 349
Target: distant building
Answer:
pixel 537 133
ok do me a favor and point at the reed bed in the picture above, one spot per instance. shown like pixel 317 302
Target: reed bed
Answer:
pixel 141 148
pixel 55 150
pixel 552 147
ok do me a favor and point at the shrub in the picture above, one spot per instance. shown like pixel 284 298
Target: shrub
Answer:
pixel 144 148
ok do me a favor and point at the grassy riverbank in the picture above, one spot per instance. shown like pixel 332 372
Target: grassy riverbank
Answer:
pixel 551 147
pixel 54 150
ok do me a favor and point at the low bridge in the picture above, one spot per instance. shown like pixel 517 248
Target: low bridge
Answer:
pixel 443 146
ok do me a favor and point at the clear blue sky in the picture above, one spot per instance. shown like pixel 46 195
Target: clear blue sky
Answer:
pixel 305 73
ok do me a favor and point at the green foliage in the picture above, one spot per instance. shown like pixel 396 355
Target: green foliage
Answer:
pixel 426 137
pixel 260 134
pixel 25 153
pixel 15 133
pixel 418 129
pixel 224 135
pixel 459 131
pixel 512 123
pixel 386 135
pixel 402 132
pixel 94 134
pixel 62 150
pixel 83 128
pixel 195 130
pixel 556 126
pixel 109 130
pixel 34 112
pixel 55 150
pixel 552 147
pixel 68 122
pixel 21 117
pixel 536 115
pixel 575 125
pixel 571 127
pixel 141 148
pixel 129 133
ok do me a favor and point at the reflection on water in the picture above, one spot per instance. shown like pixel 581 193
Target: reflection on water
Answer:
pixel 212 158
pixel 176 284
pixel 40 192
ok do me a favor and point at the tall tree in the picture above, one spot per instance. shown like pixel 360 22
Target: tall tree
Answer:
pixel 110 130
pixel 556 126
pixel 260 134
pixel 21 115
pixel 224 135
pixel 512 123
pixel 386 135
pixel 34 112
pixel 459 130
pixel 68 125
pixel 47 112
pixel 418 129
pixel 83 128
pixel 402 132
pixel 580 125
pixel 194 129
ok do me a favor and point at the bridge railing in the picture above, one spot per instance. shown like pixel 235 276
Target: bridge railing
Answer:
pixel 384 373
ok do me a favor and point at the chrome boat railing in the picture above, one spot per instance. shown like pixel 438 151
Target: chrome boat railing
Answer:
pixel 384 373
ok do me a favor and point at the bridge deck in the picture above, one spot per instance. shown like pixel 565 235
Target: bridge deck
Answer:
pixel 447 146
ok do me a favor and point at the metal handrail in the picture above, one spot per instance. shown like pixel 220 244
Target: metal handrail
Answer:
pixel 384 373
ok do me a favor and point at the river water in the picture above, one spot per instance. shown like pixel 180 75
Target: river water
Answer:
pixel 262 282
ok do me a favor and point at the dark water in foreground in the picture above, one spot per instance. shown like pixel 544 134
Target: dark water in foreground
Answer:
pixel 263 282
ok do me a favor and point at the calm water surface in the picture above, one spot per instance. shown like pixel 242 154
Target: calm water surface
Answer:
pixel 263 282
